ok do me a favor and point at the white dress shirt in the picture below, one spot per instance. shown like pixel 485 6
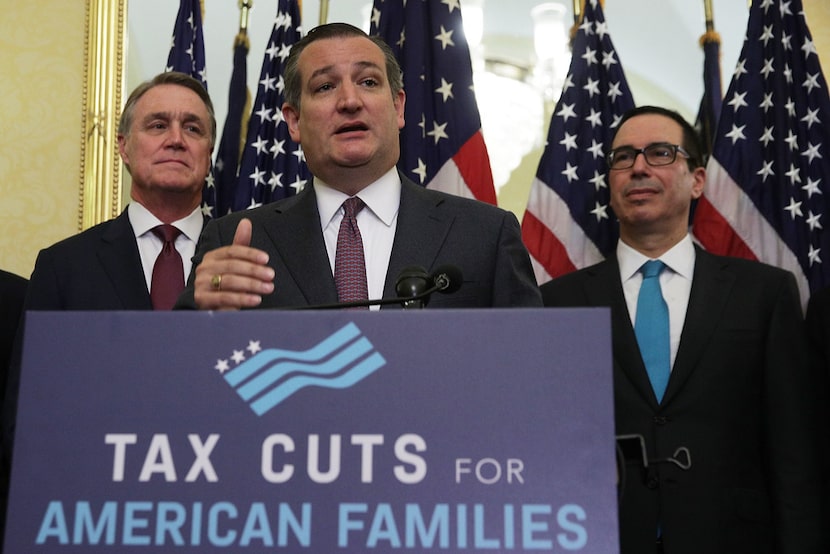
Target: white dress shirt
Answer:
pixel 675 282
pixel 377 223
pixel 149 245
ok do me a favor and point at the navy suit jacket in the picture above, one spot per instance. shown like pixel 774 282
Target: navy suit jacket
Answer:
pixel 739 398
pixel 433 229
pixel 98 269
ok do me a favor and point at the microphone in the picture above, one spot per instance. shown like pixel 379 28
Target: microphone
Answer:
pixel 413 288
pixel 447 279
pixel 412 283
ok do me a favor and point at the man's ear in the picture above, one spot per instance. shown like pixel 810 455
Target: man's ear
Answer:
pixel 400 103
pixel 292 119
pixel 122 150
pixel 699 176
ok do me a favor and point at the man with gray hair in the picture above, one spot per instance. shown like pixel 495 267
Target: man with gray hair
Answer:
pixel 165 138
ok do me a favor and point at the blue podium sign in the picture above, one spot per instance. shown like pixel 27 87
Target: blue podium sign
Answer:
pixel 274 431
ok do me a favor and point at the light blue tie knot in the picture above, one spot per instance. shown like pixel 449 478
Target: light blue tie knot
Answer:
pixel 652 268
pixel 651 326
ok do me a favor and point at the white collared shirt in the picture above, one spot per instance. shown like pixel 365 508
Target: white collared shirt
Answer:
pixel 675 282
pixel 149 245
pixel 377 223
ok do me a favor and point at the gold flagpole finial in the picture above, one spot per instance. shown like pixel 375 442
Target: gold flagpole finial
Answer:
pixel 710 35
pixel 577 4
pixel 324 11
pixel 709 13
pixel 244 14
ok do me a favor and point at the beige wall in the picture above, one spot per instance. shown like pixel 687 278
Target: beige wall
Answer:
pixel 818 18
pixel 42 68
pixel 42 42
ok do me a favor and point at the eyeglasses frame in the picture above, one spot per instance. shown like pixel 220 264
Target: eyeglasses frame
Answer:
pixel 637 151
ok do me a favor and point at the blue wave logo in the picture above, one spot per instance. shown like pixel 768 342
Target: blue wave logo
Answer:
pixel 269 377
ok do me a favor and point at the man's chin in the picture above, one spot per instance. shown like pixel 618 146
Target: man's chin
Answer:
pixel 177 187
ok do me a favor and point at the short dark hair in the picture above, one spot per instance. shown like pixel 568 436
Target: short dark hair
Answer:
pixel 691 138
pixel 167 78
pixel 293 83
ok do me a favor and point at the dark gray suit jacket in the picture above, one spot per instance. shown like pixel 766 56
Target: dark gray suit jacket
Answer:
pixel 433 229
pixel 740 398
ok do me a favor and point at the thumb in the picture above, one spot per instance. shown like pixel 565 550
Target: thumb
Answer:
pixel 242 236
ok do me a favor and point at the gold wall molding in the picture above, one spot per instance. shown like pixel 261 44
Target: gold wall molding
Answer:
pixel 104 77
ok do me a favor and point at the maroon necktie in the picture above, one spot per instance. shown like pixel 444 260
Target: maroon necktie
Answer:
pixel 168 271
pixel 349 263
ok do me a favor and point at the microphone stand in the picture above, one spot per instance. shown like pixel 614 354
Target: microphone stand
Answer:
pixel 405 302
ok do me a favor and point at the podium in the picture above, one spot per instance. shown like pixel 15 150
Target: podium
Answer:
pixel 349 431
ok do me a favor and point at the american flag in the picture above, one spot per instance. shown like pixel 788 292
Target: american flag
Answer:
pixel 568 223
pixel 767 189
pixel 187 51
pixel 272 166
pixel 228 153
pixel 442 146
pixel 187 55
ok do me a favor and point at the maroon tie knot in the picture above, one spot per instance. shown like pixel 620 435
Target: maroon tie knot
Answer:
pixel 167 233
pixel 352 206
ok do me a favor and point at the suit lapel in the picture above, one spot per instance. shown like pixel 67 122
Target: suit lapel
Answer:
pixel 605 289
pixel 120 260
pixel 711 286
pixel 297 237
pixel 420 232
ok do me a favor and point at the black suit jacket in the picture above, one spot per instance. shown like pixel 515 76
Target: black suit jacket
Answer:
pixel 98 269
pixel 12 291
pixel 818 333
pixel 433 229
pixel 739 398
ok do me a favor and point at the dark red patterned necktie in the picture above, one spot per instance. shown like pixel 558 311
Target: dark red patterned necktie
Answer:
pixel 168 271
pixel 349 263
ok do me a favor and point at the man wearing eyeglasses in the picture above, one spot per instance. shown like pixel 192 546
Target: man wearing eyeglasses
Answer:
pixel 710 366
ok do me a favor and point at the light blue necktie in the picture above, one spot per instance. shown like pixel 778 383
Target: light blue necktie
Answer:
pixel 651 325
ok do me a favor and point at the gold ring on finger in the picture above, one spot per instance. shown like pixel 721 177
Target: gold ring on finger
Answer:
pixel 216 282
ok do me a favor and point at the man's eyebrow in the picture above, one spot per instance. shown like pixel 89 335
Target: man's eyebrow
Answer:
pixel 168 116
pixel 156 115
pixel 190 116
pixel 329 68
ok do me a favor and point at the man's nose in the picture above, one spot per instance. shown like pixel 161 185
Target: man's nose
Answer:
pixel 348 98
pixel 175 135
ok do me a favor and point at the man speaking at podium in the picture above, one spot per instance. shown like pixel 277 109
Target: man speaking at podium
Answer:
pixel 347 237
